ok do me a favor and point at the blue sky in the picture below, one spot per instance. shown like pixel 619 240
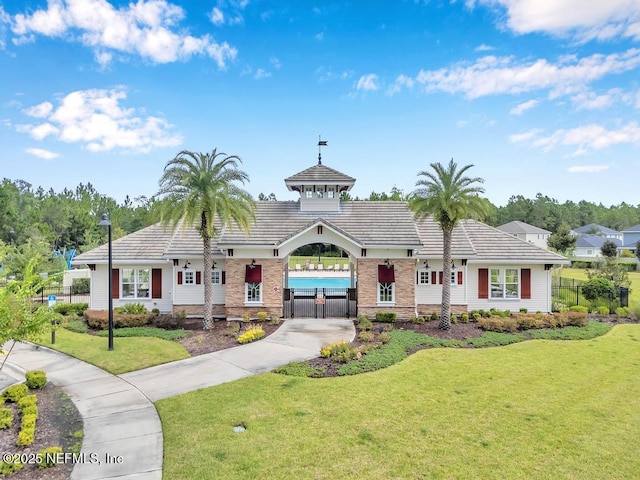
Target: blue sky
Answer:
pixel 539 96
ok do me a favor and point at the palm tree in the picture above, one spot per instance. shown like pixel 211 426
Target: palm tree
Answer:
pixel 449 196
pixel 199 189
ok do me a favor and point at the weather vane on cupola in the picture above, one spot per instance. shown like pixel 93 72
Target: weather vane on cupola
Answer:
pixel 321 143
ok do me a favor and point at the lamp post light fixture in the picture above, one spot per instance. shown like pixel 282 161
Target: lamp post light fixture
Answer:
pixel 105 222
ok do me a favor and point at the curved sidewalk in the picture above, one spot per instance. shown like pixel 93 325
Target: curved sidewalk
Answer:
pixel 119 416
pixel 119 420
pixel 296 340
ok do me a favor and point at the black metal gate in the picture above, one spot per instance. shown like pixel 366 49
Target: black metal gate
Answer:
pixel 320 302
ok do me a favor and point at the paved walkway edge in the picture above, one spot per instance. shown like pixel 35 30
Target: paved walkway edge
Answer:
pixel 122 430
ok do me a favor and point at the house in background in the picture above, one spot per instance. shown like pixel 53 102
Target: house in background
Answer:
pixel 599 230
pixel 528 233
pixel 395 262
pixel 588 247
pixel 630 237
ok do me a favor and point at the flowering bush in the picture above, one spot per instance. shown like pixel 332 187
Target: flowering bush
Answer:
pixel 251 335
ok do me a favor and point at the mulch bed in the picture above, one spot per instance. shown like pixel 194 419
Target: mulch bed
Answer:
pixel 223 335
pixel 57 425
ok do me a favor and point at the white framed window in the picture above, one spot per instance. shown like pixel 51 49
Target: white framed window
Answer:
pixel 505 283
pixel 386 292
pixel 330 192
pixel 135 283
pixel 320 193
pixel 589 251
pixel 308 192
pixel 216 277
pixel 253 292
pixel 423 277
pixel 189 277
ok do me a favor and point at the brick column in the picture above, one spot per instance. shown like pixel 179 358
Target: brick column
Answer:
pixel 405 276
pixel 271 287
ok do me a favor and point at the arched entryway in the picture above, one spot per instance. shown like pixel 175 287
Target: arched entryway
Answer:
pixel 320 299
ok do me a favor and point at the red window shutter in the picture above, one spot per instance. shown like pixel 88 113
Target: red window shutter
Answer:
pixel 198 277
pixel 179 278
pixel 156 283
pixel 386 274
pixel 115 282
pixel 433 278
pixel 224 277
pixel 525 283
pixel 459 278
pixel 483 283
pixel 253 274
pixel 440 275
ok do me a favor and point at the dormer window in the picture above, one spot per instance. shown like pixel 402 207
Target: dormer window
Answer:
pixel 320 193
pixel 309 192
pixel 330 192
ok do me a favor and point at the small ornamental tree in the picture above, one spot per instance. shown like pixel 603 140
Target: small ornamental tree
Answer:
pixel 609 249
pixel 598 287
pixel 22 318
pixel 562 241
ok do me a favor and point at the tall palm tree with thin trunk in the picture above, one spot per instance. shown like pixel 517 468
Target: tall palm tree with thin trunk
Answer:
pixel 446 194
pixel 196 190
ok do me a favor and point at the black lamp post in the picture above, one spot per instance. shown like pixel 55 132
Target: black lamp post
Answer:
pixel 12 232
pixel 105 222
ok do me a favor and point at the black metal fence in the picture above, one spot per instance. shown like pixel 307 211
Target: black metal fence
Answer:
pixel 570 295
pixel 319 302
pixel 62 295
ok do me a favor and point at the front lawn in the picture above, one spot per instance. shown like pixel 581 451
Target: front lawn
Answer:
pixel 129 354
pixel 537 409
pixel 634 278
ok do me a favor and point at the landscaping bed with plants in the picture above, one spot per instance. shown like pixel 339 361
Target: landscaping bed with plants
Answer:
pixel 36 420
pixel 379 344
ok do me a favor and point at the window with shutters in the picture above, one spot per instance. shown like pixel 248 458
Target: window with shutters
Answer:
pixel 505 283
pixel 135 282
pixel 423 277
pixel 189 277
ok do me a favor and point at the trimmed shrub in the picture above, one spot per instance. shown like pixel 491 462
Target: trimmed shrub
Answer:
pixel 26 437
pixel 365 336
pixel 47 456
pixel 384 337
pixel 78 326
pixel 622 312
pixel 579 308
pixel 251 335
pixel 434 317
pixel 464 317
pixel 15 392
pixel 577 319
pixel 36 378
pixel 63 308
pixel 364 323
pixel 27 401
pixel 6 418
pixel 99 319
pixel 602 310
pixel 80 286
pixel 386 317
pixel 417 320
pixel 262 316
pixel 274 320
pixel 131 308
pixel 341 351
pixel 9 468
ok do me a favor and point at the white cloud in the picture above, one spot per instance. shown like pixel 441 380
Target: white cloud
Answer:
pixel 585 21
pixel 523 107
pixel 325 75
pixel 525 136
pixel 587 168
pixel 216 16
pixel 591 101
pixel 584 138
pixel 368 82
pixel 275 63
pixel 260 73
pixel 45 154
pixel 320 36
pixel 97 120
pixel 483 48
pixel 402 81
pixel 39 111
pixel 146 28
pixel 492 75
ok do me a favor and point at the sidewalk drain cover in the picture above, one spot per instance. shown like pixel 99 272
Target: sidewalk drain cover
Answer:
pixel 239 428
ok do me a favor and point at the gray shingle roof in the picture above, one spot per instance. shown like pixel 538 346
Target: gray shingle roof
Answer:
pixel 595 241
pixel 594 227
pixel 635 228
pixel 368 224
pixel 320 174
pixel 521 227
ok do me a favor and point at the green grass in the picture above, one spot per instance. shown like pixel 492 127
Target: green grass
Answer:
pixel 533 410
pixel 128 354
